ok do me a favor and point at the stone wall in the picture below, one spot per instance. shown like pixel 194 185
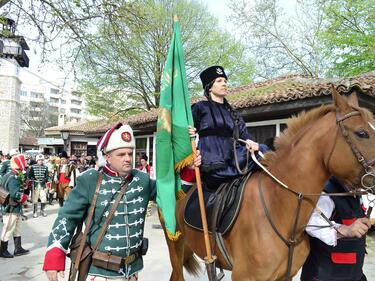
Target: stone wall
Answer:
pixel 10 108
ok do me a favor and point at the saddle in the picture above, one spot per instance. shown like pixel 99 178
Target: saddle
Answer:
pixel 222 206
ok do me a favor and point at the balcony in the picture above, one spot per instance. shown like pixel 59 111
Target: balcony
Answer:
pixel 17 53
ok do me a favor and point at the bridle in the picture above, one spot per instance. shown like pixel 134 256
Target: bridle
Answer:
pixel 368 172
pixel 367 165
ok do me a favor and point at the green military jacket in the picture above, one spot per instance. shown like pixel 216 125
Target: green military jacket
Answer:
pixel 5 168
pixel 125 232
pixel 38 173
pixel 12 183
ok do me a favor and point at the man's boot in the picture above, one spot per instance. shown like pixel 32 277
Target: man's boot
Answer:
pixel 18 250
pixel 42 209
pixel 50 198
pixel 4 250
pixel 35 208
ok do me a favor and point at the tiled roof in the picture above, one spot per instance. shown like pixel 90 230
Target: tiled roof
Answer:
pixel 29 141
pixel 282 89
pixel 82 127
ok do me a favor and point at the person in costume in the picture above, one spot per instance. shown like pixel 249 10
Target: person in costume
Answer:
pixel 124 234
pixel 146 168
pixel 338 247
pixel 12 227
pixel 5 165
pixel 39 176
pixel 66 170
pixel 217 125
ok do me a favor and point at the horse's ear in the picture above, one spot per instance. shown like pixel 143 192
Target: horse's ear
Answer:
pixel 340 101
pixel 353 99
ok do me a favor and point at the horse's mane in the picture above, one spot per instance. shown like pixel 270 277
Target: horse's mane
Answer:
pixel 297 125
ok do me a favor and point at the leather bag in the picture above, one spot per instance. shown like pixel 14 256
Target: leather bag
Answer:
pixel 4 196
pixel 107 261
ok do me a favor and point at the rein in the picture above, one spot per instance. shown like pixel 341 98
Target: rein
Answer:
pixel 368 172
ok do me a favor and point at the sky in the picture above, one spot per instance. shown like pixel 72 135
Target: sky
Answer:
pixel 218 8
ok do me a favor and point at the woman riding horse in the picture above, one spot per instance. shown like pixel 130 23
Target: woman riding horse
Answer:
pixel 217 123
pixel 267 241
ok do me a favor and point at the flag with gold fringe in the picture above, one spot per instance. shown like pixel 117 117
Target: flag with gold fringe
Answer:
pixel 173 147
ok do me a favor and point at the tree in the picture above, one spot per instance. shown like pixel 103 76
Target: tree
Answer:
pixel 281 42
pixel 117 49
pixel 36 116
pixel 125 62
pixel 349 36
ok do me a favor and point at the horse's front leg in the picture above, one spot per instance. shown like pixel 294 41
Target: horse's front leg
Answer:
pixel 176 255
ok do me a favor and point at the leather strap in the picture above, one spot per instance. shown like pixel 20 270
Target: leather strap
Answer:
pixel 111 213
pixel 89 219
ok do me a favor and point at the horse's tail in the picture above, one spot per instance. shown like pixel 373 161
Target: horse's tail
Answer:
pixel 192 266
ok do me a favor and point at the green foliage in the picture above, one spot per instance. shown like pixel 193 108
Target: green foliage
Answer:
pixel 349 36
pixel 123 61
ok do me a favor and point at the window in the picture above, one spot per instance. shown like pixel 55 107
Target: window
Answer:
pixel 262 134
pixel 63 101
pixel 34 104
pixel 76 102
pixel 144 145
pixel 54 91
pixel 36 95
pixel 54 100
pixel 62 110
pixel 23 93
pixel 53 109
pixel 75 110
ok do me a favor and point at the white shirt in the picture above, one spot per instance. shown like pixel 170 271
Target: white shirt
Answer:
pixel 326 234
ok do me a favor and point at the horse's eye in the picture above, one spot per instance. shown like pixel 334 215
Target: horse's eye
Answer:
pixel 362 134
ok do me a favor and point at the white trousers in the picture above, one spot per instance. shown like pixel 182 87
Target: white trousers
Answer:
pixel 12 226
pixel 39 193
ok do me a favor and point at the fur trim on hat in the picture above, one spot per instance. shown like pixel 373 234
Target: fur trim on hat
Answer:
pixel 119 136
pixel 39 157
pixel 210 74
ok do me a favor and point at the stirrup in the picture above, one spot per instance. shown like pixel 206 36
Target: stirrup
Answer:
pixel 211 270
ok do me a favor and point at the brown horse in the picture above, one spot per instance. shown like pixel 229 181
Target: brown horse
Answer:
pixel 311 150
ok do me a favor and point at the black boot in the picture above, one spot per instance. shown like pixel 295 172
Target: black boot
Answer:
pixel 4 250
pixel 61 202
pixel 35 210
pixel 50 198
pixel 18 250
pixel 43 209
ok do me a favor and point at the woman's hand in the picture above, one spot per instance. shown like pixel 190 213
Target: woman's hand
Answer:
pixel 198 159
pixel 192 131
pixel 252 145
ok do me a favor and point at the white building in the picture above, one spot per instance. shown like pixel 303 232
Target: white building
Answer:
pixel 45 103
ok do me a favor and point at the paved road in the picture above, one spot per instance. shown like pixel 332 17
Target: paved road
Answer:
pixel 157 265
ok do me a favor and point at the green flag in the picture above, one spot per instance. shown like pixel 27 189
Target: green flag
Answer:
pixel 173 147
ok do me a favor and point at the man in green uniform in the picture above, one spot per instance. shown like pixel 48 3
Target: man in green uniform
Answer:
pixel 39 175
pixel 124 233
pixel 5 165
pixel 13 212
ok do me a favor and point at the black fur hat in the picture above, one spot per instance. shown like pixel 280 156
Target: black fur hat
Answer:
pixel 63 154
pixel 144 157
pixel 211 73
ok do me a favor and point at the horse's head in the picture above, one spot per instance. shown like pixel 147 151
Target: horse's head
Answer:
pixel 352 157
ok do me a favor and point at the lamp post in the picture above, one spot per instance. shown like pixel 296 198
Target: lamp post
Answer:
pixel 65 137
